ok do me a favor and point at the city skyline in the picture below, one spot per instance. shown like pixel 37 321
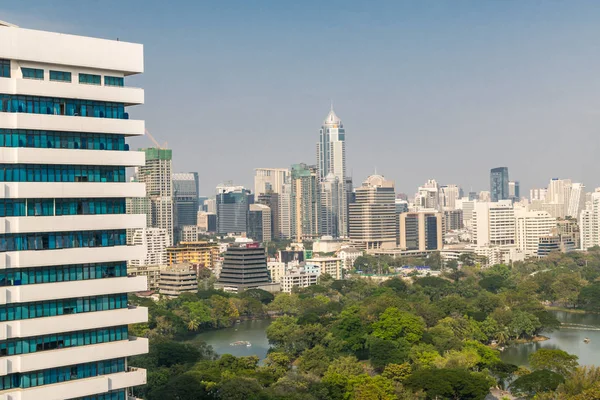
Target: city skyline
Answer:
pixel 510 87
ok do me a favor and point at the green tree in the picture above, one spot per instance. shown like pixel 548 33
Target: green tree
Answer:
pixel 449 384
pixel 314 360
pixel 397 372
pixel 394 324
pixel 383 352
pixel 523 324
pixel 365 387
pixel 589 297
pixel 239 388
pixel 554 360
pixel 537 382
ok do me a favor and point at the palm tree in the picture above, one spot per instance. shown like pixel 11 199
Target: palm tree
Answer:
pixel 502 336
pixel 193 325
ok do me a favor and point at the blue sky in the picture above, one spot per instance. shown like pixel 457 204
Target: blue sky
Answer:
pixel 425 89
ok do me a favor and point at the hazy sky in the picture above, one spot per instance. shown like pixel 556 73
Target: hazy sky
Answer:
pixel 425 89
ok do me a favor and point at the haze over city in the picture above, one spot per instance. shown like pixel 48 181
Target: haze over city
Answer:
pixel 443 90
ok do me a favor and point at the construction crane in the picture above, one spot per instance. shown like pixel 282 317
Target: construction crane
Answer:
pixel 164 146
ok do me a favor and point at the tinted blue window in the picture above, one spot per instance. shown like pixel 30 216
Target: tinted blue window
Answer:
pixel 89 79
pixel 4 68
pixel 61 76
pixel 60 173
pixel 55 140
pixel 61 240
pixel 59 106
pixel 32 73
pixel 113 81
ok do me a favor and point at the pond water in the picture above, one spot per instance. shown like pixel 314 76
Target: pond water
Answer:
pixel 249 331
pixel 575 328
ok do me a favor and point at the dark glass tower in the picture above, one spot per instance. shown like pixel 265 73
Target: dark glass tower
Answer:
pixel 499 184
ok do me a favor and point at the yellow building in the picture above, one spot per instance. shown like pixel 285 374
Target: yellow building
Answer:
pixel 201 253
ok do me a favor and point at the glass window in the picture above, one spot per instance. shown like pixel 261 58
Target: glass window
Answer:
pixel 59 106
pixel 32 73
pixel 4 68
pixel 113 81
pixel 89 79
pixel 60 76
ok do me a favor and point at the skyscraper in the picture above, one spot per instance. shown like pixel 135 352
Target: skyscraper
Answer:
pixel 499 184
pixel 514 190
pixel 63 307
pixel 331 166
pixel 259 223
pixel 331 205
pixel 185 200
pixel 373 215
pixel 232 209
pixel 271 200
pixel 157 174
pixel 270 180
pixel 305 202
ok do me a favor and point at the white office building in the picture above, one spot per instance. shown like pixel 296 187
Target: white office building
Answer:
pixel 63 256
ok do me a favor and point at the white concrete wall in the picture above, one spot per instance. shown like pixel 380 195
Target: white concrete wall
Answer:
pixel 72 323
pixel 50 190
pixel 71 223
pixel 129 127
pixel 65 290
pixel 22 155
pixel 72 356
pixel 79 387
pixel 73 90
pixel 62 49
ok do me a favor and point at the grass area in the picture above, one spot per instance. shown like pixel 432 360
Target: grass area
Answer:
pixel 571 310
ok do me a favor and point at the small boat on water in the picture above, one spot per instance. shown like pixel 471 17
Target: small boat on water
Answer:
pixel 586 340
pixel 241 343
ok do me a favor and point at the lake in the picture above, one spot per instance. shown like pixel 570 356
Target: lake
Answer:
pixel 250 331
pixel 569 338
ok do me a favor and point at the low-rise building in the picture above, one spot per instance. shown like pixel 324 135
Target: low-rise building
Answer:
pixel 327 244
pixel 554 243
pixel 328 265
pixel 298 277
pixel 348 255
pixel 198 253
pixel 151 272
pixel 190 233
pixel 177 279
pixel 245 267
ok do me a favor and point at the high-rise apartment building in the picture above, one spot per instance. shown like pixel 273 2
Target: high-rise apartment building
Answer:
pixel 449 195
pixel 64 312
pixel 514 190
pixel 232 209
pixel 331 205
pixel 271 200
pixel 138 205
pixel 538 194
pixel 331 167
pixel 185 200
pixel 305 202
pixel 428 196
pixel 530 226
pixel 155 241
pixel 157 175
pixel 422 230
pixel 499 184
pixel 576 200
pixel 373 215
pixel 589 223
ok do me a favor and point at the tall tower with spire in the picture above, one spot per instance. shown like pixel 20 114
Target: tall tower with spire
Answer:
pixel 331 166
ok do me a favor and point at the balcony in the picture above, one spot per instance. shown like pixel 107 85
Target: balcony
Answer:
pixel 65 290
pixel 71 356
pixel 72 223
pixel 24 155
pixel 50 190
pixel 80 387
pixel 128 127
pixel 72 323
pixel 83 255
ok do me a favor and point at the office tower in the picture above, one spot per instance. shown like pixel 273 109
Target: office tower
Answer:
pixel 453 220
pixel 589 223
pixel 156 174
pixel 538 194
pixel 373 215
pixel 514 190
pixel 245 267
pixel 270 180
pixel 305 202
pixel 530 226
pixel 331 159
pixel 271 200
pixel 185 200
pixel 499 184
pixel 63 307
pixel 449 195
pixel 331 205
pixel 428 196
pixel 576 200
pixel 473 196
pixel 210 205
pixel 421 230
pixel 232 209
pixel 494 224
pixel 259 223
pixel 207 222
pixel 197 253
